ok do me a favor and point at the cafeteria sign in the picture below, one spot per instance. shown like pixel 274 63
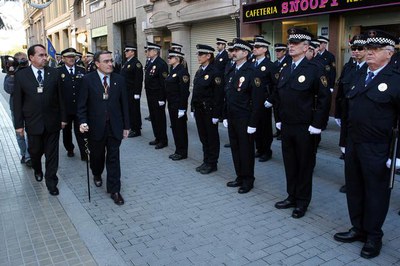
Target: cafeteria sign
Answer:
pixel 275 9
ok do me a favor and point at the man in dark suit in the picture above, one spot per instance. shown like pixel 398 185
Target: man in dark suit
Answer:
pixel 71 79
pixel 103 113
pixel 132 71
pixel 90 66
pixel 39 107
pixel 330 60
pixel 373 111
pixel 221 59
pixel 155 75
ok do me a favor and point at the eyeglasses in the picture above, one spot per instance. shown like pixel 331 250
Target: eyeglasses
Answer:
pixel 357 48
pixel 279 50
pixel 170 57
pixel 257 46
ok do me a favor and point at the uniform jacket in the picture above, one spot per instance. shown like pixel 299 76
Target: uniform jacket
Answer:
pixel 374 109
pixel 208 90
pixel 279 65
pixel 221 60
pixel 132 71
pixel 244 94
pixel 302 97
pixel 155 75
pixel 92 109
pixel 266 73
pixel 330 60
pixel 177 87
pixel 70 86
pixel 38 111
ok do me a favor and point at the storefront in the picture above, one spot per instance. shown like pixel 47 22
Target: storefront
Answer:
pixel 99 38
pixel 337 20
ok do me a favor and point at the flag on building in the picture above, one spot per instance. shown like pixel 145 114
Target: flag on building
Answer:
pixel 50 49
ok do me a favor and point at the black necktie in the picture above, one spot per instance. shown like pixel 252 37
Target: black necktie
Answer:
pixel 292 67
pixel 256 63
pixel 71 71
pixel 39 76
pixel 358 67
pixel 369 78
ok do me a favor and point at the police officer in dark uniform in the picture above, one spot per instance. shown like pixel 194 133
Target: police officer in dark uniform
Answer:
pixel 59 61
pixel 206 105
pixel 132 71
pixel 244 99
pixel 91 66
pixel 345 83
pixel 177 90
pixel 282 59
pixel 263 136
pixel 155 75
pixel 176 47
pixel 329 59
pixel 71 79
pixel 373 111
pixel 221 59
pixel 78 60
pixel 301 99
pixel 229 65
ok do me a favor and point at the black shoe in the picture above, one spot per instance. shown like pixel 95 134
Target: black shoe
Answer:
pixel 161 145
pixel 22 160
pixel 265 157
pixel 227 145
pixel 172 155
pixel 98 182
pixel 201 167
pixel 342 189
pixel 118 199
pixel 351 236
pixel 39 176
pixel 147 118
pixel 178 157
pixel 276 134
pixel 371 249
pixel 279 137
pixel 134 134
pixel 341 156
pixel 28 163
pixel 153 142
pixel 243 190
pixel 208 169
pixel 54 191
pixel 257 154
pixel 234 184
pixel 299 212
pixel 70 153
pixel 285 204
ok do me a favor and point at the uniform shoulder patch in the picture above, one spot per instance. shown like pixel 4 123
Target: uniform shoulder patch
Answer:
pixel 165 74
pixel 324 81
pixel 218 80
pixel 185 79
pixel 138 65
pixel 257 82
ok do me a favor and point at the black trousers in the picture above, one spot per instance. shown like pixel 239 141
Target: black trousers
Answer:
pixel 47 144
pixel 208 134
pixel 179 130
pixel 242 147
pixel 135 117
pixel 264 135
pixel 158 117
pixel 367 182
pixel 106 151
pixel 67 135
pixel 298 150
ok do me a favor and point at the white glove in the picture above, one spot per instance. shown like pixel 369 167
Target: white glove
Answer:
pixel 181 113
pixel 225 122
pixel 136 96
pixel 267 104
pixel 83 128
pixel 343 150
pixel 251 130
pixel 161 103
pixel 314 130
pixel 331 89
pixel 278 125
pixel 397 163
pixel 338 122
pixel 214 120
pixel 192 114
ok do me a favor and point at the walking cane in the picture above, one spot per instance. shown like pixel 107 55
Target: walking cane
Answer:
pixel 87 151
